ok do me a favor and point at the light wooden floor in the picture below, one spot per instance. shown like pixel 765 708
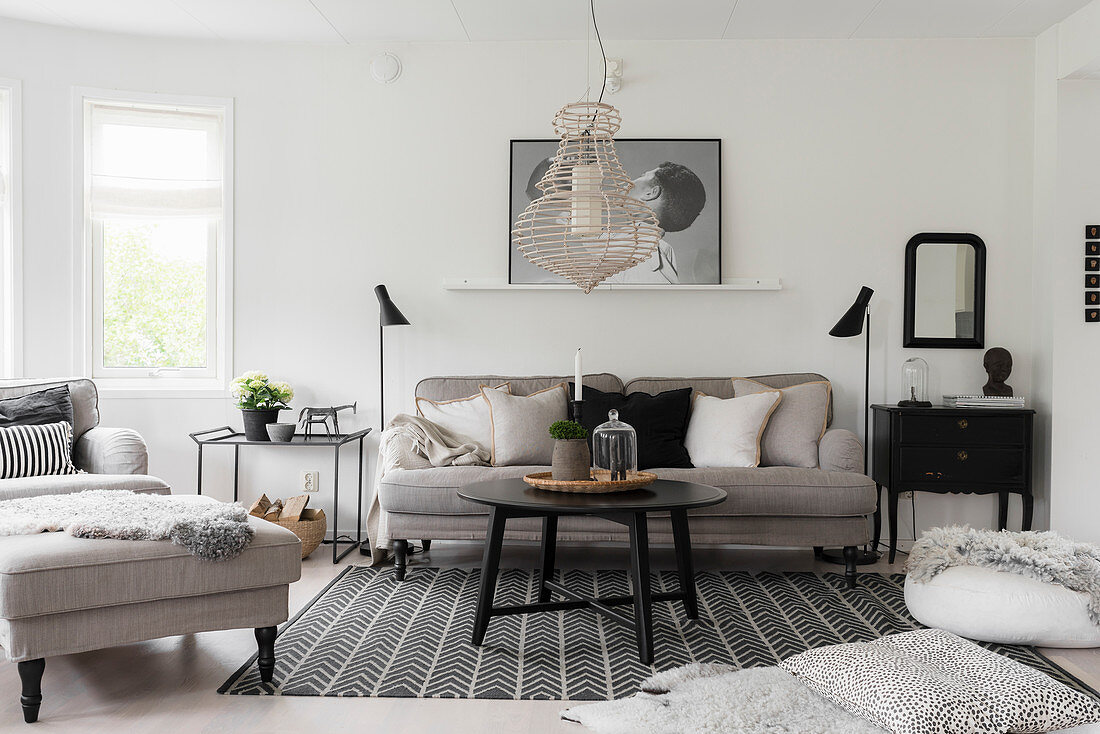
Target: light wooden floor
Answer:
pixel 170 684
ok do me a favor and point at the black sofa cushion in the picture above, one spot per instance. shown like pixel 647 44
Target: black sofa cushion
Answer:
pixel 38 408
pixel 660 421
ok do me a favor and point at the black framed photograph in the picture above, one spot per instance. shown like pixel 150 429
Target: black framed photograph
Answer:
pixel 679 178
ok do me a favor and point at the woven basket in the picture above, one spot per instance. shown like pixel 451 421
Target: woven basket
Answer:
pixel 600 483
pixel 310 529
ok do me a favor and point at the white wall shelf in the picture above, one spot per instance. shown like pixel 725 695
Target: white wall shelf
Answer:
pixel 491 284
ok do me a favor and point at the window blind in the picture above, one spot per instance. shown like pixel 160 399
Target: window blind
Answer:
pixel 154 163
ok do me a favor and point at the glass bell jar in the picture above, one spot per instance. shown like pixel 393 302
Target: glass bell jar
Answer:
pixel 915 379
pixel 615 447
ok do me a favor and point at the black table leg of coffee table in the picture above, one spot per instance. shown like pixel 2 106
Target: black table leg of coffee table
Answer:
pixel 643 597
pixel 683 562
pixel 549 546
pixel 490 564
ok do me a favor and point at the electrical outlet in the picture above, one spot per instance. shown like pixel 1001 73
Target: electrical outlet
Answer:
pixel 906 495
pixel 309 480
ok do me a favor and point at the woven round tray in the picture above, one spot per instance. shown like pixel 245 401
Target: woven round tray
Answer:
pixel 599 484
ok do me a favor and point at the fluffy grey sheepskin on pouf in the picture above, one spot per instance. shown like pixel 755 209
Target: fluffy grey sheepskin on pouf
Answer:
pixel 1043 556
pixel 719 699
pixel 212 531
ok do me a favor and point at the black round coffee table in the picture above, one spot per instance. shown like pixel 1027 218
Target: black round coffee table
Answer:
pixel 510 498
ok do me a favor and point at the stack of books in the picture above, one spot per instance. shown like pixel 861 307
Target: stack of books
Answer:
pixel 982 401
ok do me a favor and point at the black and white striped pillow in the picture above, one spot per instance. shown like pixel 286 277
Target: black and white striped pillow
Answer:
pixel 34 451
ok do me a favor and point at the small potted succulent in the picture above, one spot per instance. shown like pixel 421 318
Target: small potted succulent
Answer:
pixel 571 461
pixel 260 401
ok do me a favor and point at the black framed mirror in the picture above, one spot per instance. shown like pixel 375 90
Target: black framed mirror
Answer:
pixel 945 291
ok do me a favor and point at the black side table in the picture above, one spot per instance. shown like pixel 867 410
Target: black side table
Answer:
pixel 509 498
pixel 226 436
pixel 952 450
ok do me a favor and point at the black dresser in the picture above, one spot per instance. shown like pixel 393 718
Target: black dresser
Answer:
pixel 943 450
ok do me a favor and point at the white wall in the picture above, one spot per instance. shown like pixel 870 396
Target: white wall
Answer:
pixel 1075 503
pixel 834 154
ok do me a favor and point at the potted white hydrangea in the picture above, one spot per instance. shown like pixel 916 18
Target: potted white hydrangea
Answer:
pixel 260 401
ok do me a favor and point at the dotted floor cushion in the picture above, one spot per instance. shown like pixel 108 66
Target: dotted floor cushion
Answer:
pixel 997 606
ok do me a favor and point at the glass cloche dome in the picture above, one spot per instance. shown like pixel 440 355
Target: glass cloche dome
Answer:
pixel 615 447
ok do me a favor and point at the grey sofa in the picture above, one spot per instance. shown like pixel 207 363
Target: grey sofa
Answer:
pixel 114 458
pixel 61 595
pixel 829 506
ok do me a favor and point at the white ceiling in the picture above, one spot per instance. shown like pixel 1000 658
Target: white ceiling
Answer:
pixel 348 21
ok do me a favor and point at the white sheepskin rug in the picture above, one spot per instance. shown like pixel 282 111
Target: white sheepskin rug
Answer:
pixel 720 699
pixel 210 530
pixel 1043 556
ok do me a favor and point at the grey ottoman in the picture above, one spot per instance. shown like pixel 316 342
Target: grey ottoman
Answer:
pixel 61 595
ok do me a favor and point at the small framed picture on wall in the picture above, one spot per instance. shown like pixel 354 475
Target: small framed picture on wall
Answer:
pixel 680 179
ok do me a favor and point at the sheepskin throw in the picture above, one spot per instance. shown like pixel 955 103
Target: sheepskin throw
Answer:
pixel 210 530
pixel 718 699
pixel 1043 556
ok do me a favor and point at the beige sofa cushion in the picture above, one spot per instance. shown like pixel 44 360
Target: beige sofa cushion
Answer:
pixel 11 489
pixel 520 424
pixel 55 572
pixel 796 426
pixel 773 491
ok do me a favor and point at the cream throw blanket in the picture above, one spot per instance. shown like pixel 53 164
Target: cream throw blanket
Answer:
pixel 412 442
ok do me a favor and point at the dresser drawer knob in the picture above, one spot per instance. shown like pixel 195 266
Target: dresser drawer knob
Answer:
pixel 962 456
pixel 934 474
pixel 963 423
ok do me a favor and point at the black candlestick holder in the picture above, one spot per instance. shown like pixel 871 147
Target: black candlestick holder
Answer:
pixel 577 411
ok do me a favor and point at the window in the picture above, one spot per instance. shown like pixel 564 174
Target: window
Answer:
pixel 156 251
pixel 10 296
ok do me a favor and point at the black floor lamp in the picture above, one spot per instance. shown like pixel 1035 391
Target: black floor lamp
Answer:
pixel 854 322
pixel 388 315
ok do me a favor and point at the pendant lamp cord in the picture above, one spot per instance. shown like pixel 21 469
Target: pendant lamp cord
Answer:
pixel 603 55
pixel 603 59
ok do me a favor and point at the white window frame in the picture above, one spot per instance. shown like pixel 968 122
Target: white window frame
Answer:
pixel 11 240
pixel 87 260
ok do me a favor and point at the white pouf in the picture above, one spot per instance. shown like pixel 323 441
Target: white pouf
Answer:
pixel 997 606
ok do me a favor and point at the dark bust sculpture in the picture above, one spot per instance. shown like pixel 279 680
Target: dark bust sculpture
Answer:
pixel 998 364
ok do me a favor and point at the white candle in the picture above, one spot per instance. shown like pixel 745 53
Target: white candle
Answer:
pixel 577 377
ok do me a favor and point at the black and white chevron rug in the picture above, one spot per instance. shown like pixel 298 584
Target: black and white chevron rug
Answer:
pixel 368 635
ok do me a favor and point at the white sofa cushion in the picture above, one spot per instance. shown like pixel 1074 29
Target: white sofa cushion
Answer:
pixel 468 416
pixel 998 606
pixel 728 432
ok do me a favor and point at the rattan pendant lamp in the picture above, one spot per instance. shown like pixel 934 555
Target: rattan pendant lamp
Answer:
pixel 586 227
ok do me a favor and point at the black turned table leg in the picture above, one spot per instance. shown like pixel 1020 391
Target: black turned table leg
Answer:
pixel 850 554
pixel 892 498
pixel 549 547
pixel 1002 510
pixel 265 657
pixel 30 675
pixel 490 564
pixel 1029 509
pixel 684 566
pixel 877 517
pixel 400 558
pixel 643 596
